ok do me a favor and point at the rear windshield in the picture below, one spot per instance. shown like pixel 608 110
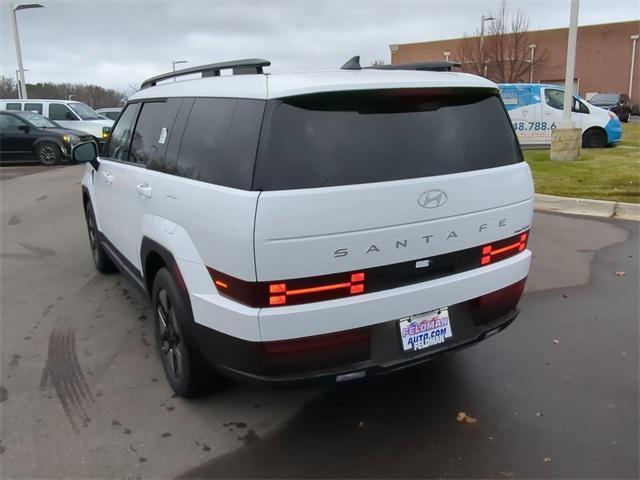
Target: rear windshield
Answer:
pixel 342 138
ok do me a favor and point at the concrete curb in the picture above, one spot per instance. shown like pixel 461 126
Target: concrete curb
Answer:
pixel 585 206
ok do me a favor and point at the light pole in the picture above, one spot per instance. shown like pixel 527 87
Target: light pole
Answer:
pixel 16 41
pixel 566 140
pixel 532 47
pixel 18 81
pixel 70 96
pixel 446 56
pixel 634 38
pixel 483 19
pixel 176 62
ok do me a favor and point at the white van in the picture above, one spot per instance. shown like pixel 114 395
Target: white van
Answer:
pixel 536 109
pixel 68 114
pixel 312 225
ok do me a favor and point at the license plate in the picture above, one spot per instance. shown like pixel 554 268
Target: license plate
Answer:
pixel 425 330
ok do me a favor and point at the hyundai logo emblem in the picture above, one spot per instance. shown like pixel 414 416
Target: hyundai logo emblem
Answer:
pixel 432 199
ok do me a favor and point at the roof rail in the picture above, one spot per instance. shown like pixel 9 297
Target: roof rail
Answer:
pixel 240 67
pixel 437 66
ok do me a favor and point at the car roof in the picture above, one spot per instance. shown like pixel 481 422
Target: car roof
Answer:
pixel 266 86
pixel 40 100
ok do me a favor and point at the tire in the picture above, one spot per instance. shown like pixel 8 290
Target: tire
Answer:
pixel 48 153
pixel 594 139
pixel 101 259
pixel 183 364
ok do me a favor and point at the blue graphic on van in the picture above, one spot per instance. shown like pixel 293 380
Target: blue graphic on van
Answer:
pixel 614 131
pixel 517 96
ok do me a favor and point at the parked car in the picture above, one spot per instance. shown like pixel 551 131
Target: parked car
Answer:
pixel 536 110
pixel 31 137
pixel 110 113
pixel 618 103
pixel 328 225
pixel 68 114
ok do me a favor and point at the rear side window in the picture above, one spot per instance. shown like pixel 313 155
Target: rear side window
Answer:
pixel 33 107
pixel 342 138
pixel 149 142
pixel 118 148
pixel 220 141
pixel 14 106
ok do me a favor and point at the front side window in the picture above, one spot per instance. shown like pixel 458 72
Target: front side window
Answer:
pixel 33 107
pixel 59 111
pixel 149 141
pixel 14 106
pixel 9 123
pixel 579 107
pixel 555 99
pixel 118 148
pixel 343 138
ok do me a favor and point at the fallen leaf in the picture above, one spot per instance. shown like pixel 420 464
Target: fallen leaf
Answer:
pixel 556 341
pixel 547 459
pixel 507 474
pixel 621 274
pixel 461 416
pixel 361 423
pixel 469 419
pixel 564 295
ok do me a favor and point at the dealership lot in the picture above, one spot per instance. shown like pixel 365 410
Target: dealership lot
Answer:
pixel 83 395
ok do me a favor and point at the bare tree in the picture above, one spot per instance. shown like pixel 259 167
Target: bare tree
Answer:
pixel 8 87
pixel 505 56
pixel 93 95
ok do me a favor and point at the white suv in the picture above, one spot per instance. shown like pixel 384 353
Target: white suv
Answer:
pixel 330 224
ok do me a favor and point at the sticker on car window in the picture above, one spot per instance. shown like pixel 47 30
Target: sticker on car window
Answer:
pixel 163 135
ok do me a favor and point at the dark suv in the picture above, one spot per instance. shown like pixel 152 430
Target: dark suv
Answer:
pixel 618 103
pixel 30 136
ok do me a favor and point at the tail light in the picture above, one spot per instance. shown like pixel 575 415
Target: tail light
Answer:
pixel 503 249
pixel 346 284
pixel 289 292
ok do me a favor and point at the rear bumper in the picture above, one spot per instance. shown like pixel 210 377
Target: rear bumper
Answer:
pixel 359 353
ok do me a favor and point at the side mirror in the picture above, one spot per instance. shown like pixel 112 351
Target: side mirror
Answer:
pixel 86 152
pixel 24 128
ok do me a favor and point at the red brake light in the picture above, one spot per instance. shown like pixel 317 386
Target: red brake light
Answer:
pixel 279 292
pixel 493 252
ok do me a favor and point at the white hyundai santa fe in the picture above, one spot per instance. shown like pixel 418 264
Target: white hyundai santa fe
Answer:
pixel 314 225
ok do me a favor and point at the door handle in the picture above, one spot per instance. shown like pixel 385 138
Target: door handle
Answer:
pixel 108 177
pixel 144 190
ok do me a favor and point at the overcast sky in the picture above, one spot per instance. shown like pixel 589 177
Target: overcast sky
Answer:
pixel 115 43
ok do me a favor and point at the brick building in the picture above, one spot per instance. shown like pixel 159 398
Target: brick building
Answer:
pixel 603 61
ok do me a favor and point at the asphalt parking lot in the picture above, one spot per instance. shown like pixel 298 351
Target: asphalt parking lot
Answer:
pixel 82 393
